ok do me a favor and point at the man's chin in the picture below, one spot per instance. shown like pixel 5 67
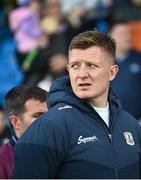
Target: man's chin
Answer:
pixel 84 97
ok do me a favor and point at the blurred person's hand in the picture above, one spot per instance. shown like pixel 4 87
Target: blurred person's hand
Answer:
pixel 50 25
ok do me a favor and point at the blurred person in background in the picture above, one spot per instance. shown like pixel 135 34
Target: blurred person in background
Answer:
pixel 127 84
pixel 135 25
pixel 55 23
pixel 24 104
pixel 25 25
pixel 34 64
pixel 129 11
pixel 56 67
pixel 79 12
pixel 52 41
pixel 97 15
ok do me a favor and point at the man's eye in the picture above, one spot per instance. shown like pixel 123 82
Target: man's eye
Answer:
pixel 37 115
pixel 92 66
pixel 74 66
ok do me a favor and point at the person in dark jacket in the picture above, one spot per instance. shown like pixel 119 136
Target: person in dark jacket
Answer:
pixel 24 104
pixel 86 132
pixel 127 84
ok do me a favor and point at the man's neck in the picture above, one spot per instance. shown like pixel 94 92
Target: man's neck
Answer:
pixel 99 104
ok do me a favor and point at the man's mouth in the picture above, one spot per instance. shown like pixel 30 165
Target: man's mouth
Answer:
pixel 84 84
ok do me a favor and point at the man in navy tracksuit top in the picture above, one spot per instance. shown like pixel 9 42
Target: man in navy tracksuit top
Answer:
pixel 85 133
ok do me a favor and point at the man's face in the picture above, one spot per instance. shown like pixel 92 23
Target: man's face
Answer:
pixel 122 35
pixel 90 72
pixel 33 110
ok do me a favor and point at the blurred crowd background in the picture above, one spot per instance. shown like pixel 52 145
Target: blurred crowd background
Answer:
pixel 35 35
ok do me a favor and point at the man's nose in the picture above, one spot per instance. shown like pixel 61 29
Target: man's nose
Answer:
pixel 83 73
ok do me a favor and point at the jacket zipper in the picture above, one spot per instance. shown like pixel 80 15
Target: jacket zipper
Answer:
pixel 107 130
pixel 113 151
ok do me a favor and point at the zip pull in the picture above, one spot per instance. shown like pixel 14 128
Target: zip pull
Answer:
pixel 110 137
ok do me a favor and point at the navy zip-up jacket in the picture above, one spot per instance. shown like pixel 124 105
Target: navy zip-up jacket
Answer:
pixel 72 141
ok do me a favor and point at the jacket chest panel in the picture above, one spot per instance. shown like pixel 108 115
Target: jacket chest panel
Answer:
pixel 97 146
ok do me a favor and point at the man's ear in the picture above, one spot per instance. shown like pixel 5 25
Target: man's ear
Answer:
pixel 16 123
pixel 113 72
pixel 68 67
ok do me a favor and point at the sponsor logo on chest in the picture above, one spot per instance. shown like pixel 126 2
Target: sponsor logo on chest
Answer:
pixel 82 139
